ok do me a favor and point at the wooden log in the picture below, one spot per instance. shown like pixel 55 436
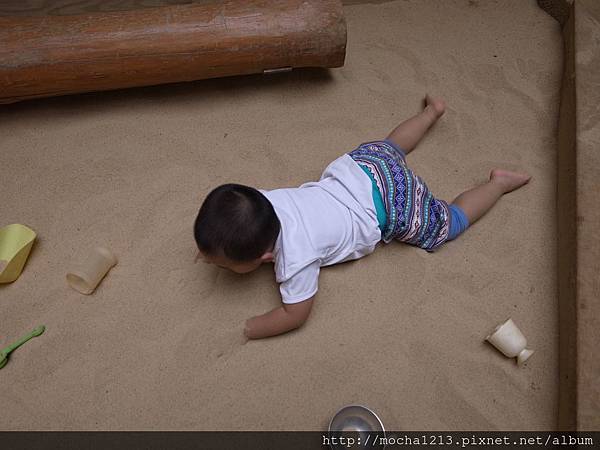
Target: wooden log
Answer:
pixel 56 55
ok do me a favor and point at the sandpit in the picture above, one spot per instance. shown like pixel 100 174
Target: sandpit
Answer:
pixel 158 345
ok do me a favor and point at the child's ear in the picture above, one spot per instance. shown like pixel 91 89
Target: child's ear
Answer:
pixel 267 257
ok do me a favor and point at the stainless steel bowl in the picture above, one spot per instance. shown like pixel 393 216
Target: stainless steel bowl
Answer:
pixel 359 422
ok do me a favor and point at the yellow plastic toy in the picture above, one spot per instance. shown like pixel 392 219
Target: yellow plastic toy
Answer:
pixel 15 244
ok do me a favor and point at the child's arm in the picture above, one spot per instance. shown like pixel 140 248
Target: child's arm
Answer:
pixel 278 321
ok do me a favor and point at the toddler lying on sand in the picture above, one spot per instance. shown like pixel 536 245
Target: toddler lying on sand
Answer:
pixel 363 197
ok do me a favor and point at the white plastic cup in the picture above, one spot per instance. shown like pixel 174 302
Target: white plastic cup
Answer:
pixel 507 338
pixel 88 275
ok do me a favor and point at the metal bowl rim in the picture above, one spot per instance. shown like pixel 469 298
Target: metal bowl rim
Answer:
pixel 359 406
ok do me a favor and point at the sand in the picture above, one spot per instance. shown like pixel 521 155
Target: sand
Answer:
pixel 158 345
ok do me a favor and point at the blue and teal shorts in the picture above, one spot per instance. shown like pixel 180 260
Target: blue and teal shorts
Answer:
pixel 405 208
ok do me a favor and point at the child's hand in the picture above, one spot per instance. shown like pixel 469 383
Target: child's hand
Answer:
pixel 248 328
pixel 280 320
pixel 244 338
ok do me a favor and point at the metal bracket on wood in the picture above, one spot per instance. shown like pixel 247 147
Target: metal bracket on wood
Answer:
pixel 278 70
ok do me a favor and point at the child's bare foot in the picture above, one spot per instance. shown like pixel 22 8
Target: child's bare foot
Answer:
pixel 436 104
pixel 508 180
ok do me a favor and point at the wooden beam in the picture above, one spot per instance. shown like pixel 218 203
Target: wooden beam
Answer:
pixel 43 56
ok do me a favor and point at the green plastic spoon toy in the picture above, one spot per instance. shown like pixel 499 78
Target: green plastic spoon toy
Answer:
pixel 7 350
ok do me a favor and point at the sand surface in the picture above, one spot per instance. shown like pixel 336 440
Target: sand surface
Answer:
pixel 158 345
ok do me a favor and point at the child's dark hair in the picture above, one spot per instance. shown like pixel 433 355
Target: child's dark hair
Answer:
pixel 236 221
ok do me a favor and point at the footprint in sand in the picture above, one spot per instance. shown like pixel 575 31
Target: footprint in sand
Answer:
pixel 197 351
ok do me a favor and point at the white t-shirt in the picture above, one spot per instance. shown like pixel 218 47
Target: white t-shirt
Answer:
pixel 322 223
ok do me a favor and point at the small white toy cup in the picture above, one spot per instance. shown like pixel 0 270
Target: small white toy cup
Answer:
pixel 510 341
pixel 88 275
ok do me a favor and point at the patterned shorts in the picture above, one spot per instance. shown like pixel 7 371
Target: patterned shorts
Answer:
pixel 414 215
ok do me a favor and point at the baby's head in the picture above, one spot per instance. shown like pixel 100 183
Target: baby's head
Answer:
pixel 236 228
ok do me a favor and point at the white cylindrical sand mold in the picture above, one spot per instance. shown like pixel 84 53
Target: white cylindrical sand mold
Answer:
pixel 90 272
pixel 510 341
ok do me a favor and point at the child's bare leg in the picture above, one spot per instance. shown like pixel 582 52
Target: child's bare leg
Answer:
pixel 408 134
pixel 477 201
